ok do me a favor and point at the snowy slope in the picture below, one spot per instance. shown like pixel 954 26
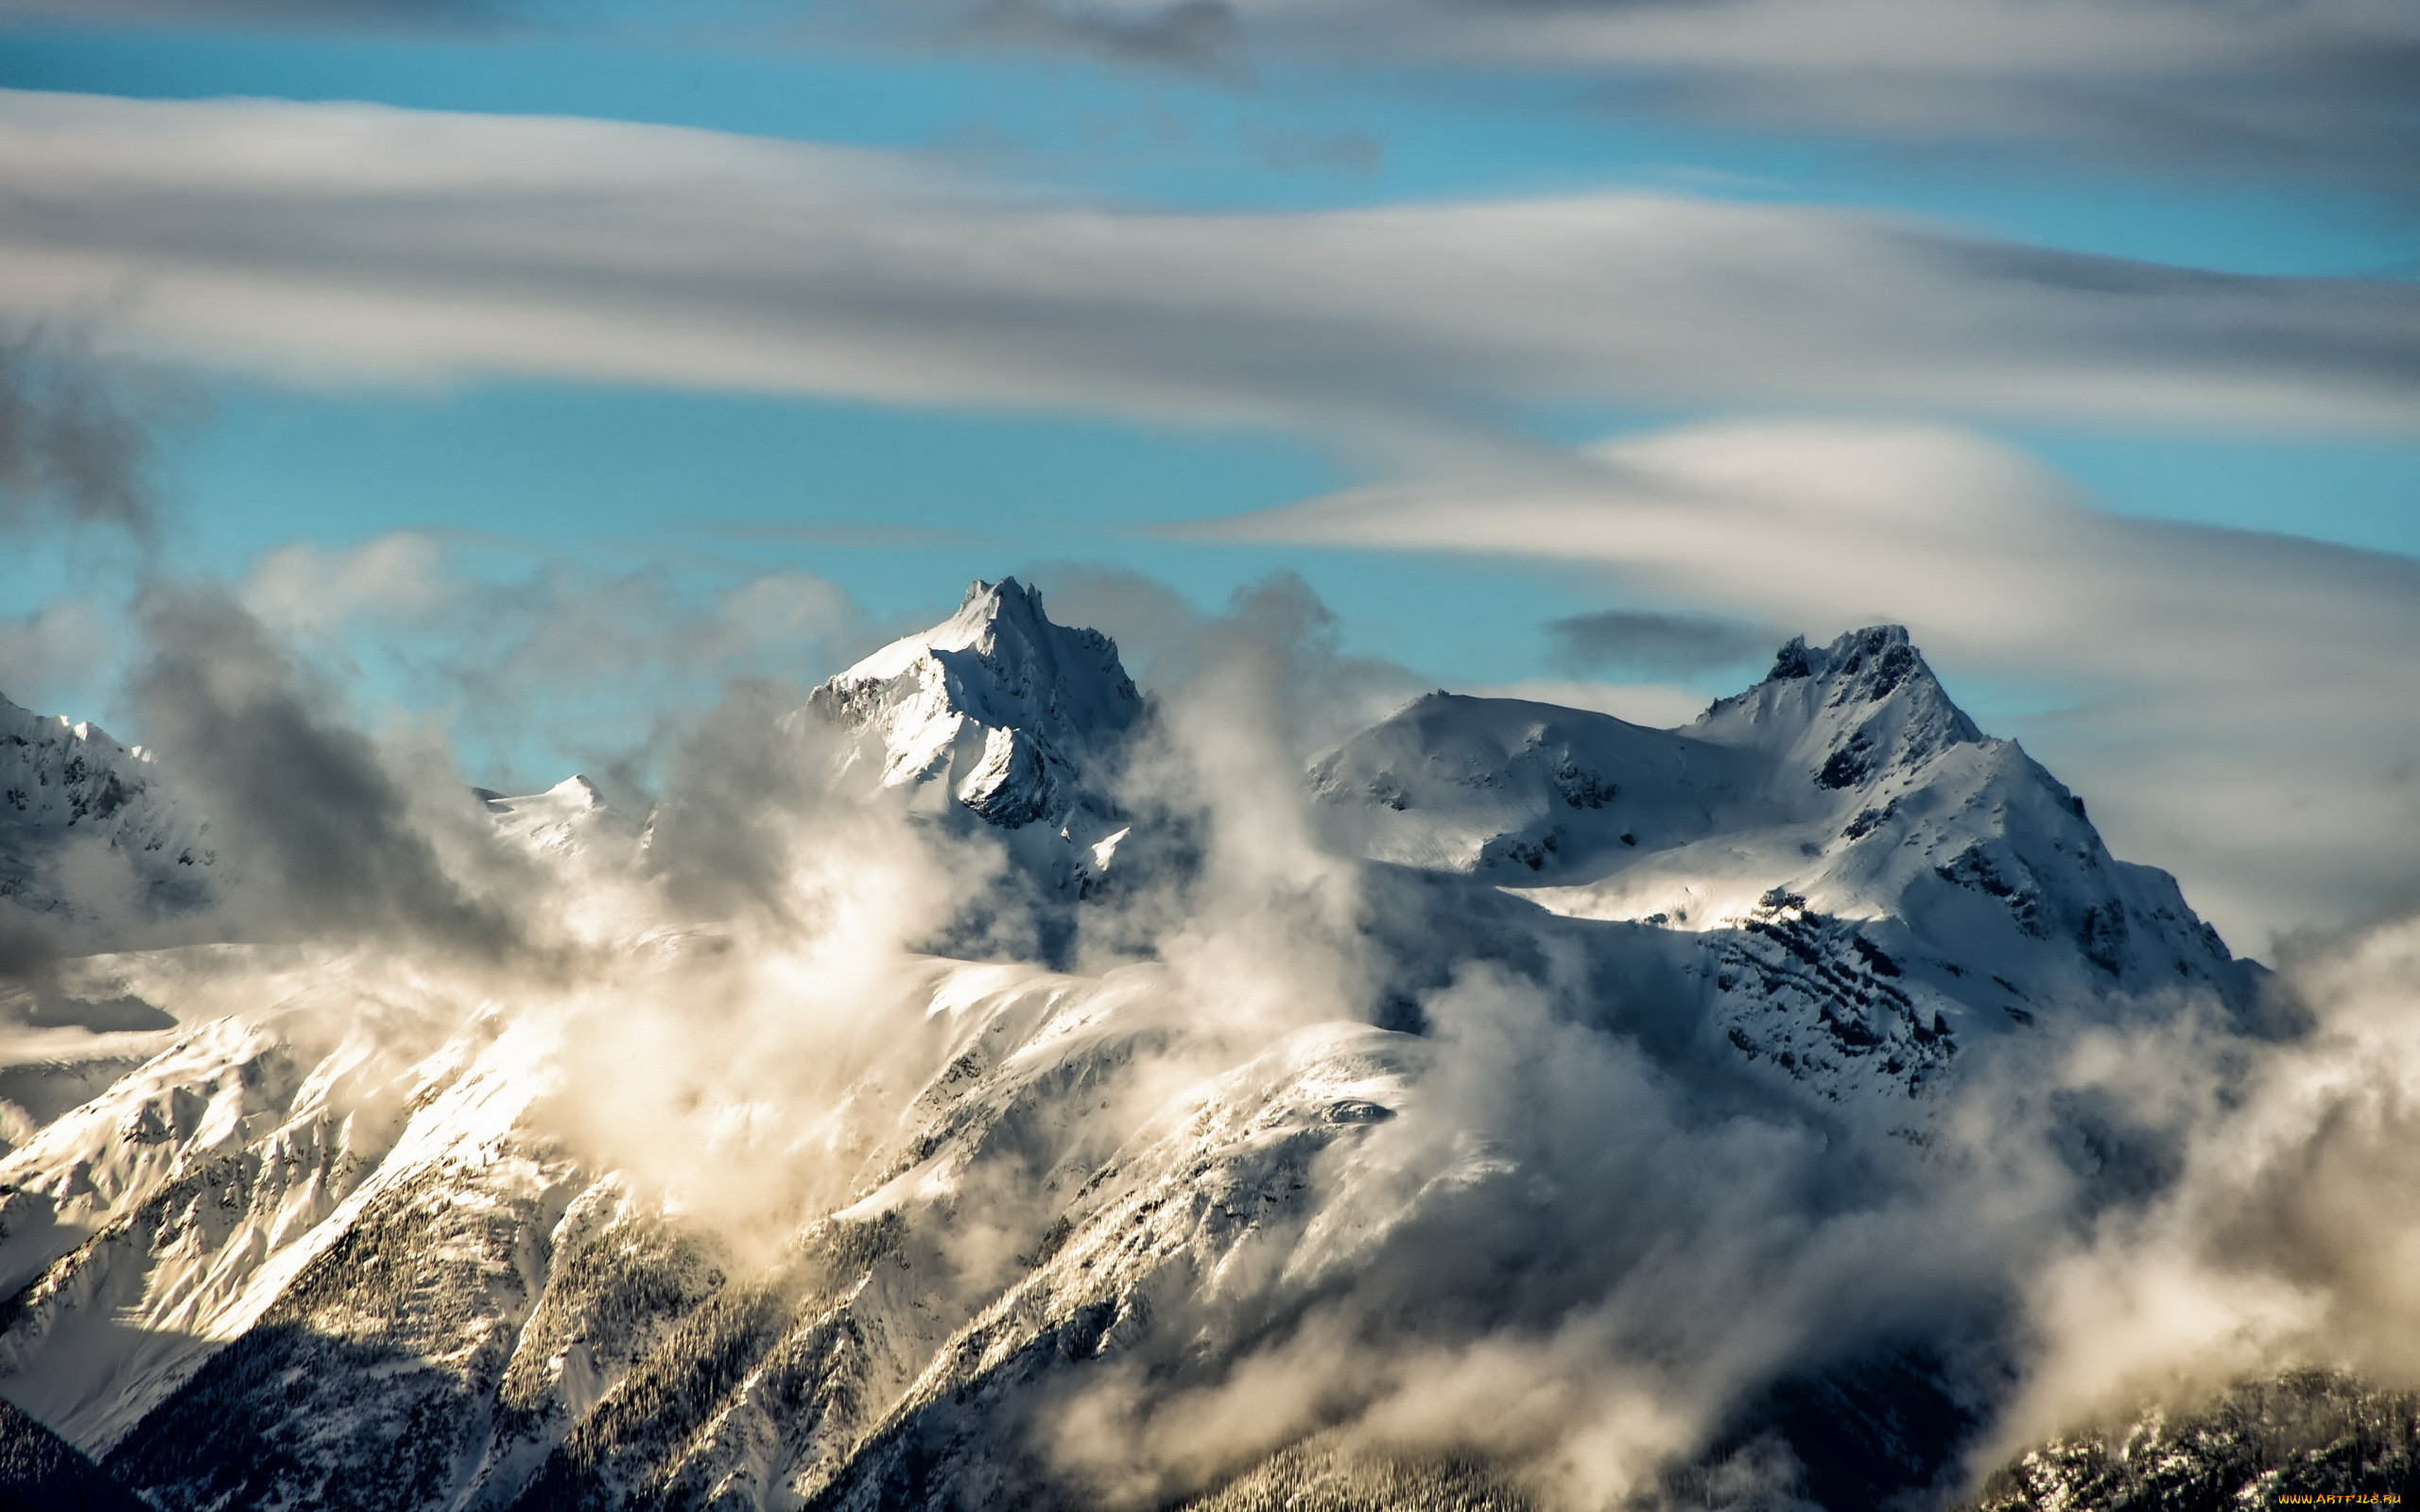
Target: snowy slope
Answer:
pixel 162 1217
pixel 575 837
pixel 571 815
pixel 405 1237
pixel 327 1247
pixel 1866 881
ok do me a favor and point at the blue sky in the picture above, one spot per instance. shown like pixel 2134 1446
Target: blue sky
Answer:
pixel 2004 169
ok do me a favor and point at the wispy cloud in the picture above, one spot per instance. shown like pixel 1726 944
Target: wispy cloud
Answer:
pixel 2312 90
pixel 77 434
pixel 350 242
pixel 1190 36
pixel 2317 89
pixel 1646 641
pixel 564 663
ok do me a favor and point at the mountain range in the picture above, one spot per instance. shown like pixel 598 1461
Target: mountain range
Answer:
pixel 1519 1108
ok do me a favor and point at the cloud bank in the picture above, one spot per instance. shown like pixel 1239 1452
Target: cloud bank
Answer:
pixel 2315 91
pixel 335 243
pixel 2320 89
pixel 2285 1238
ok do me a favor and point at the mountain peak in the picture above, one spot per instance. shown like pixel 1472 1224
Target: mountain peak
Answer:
pixel 570 816
pixel 20 725
pixel 578 789
pixel 1006 705
pixel 1881 655
pixel 1872 679
pixel 1007 596
pixel 986 607
pixel 1003 621
pixel 89 827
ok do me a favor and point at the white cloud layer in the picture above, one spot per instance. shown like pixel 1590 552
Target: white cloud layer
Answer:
pixel 2245 706
pixel 2321 89
pixel 358 242
pixel 2312 91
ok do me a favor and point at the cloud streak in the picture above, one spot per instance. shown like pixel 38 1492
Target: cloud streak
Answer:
pixel 349 242
pixel 1199 37
pixel 1644 640
pixel 2309 91
pixel 2319 89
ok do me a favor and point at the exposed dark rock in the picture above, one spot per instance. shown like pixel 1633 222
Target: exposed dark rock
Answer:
pixel 40 1471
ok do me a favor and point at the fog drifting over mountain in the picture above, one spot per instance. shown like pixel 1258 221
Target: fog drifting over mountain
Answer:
pixel 1225 1140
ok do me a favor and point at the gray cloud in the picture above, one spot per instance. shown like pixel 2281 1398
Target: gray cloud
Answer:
pixel 353 242
pixel 2311 90
pixel 1189 36
pixel 77 435
pixel 323 834
pixel 586 661
pixel 1146 618
pixel 1642 641
pixel 55 655
pixel 2272 1249
pixel 2318 89
pixel 548 667
pixel 1350 152
pixel 745 788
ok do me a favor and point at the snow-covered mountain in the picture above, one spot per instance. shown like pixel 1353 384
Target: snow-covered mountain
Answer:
pixel 89 850
pixel 337 1243
pixel 1011 715
pixel 566 815
pixel 1866 883
pixel 2303 1437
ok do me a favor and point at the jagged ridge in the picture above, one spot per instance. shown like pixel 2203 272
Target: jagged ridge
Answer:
pixel 1015 715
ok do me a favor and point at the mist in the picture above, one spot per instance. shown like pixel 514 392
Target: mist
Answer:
pixel 78 432
pixel 1483 1202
